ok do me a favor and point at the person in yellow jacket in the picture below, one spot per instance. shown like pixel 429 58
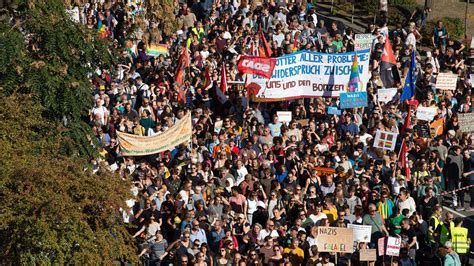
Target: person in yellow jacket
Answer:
pixel 434 223
pixel 460 240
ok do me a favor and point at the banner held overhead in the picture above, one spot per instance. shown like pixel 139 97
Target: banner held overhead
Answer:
pixel 133 145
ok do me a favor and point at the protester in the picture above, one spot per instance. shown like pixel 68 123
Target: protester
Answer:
pixel 251 187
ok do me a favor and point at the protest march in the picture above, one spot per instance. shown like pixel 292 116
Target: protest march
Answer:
pixel 264 133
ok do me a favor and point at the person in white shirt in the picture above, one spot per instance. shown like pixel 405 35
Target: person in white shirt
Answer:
pixel 268 231
pixel 406 202
pixel 241 172
pixel 100 112
pixel 318 215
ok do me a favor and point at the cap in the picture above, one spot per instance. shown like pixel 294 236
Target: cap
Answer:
pixel 241 216
pixel 448 244
pixel 452 132
pixel 261 204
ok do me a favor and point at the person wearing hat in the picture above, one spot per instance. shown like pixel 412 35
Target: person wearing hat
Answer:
pixel 451 258
pixel 260 215
pixel 460 240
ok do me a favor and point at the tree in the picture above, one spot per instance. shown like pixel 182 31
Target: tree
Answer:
pixel 53 211
pixel 55 66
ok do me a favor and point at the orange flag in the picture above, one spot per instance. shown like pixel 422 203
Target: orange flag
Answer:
pixel 182 65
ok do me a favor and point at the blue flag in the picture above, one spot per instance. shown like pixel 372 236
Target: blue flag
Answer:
pixel 409 89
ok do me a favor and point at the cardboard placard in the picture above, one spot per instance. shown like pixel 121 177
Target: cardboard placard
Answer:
pixel 353 99
pixel 303 122
pixel 426 113
pixel 385 140
pixel 284 116
pixel 381 246
pixel 466 122
pixel 363 41
pixel 362 233
pixel 446 81
pixel 393 246
pixel 335 239
pixel 386 95
pixel 437 127
pixel 368 254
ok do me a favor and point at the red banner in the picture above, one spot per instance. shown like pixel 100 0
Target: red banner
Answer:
pixel 259 66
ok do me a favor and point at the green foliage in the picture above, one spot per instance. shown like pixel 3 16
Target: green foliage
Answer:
pixel 406 3
pixel 54 212
pixel 55 68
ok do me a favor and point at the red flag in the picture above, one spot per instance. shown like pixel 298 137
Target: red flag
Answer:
pixel 402 159
pixel 182 65
pixel 260 66
pixel 223 85
pixel 207 79
pixel 407 120
pixel 388 66
pixel 220 92
pixel 265 50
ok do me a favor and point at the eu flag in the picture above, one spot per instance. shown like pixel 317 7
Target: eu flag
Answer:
pixel 409 89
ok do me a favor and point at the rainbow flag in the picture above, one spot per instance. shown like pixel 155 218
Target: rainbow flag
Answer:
pixel 354 78
pixel 157 50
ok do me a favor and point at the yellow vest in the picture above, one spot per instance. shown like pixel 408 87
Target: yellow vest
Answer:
pixel 444 235
pixel 437 222
pixel 460 240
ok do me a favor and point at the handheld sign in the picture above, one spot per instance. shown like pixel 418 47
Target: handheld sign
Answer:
pixel 446 81
pixel 385 140
pixel 284 116
pixel 393 246
pixel 386 95
pixel 426 113
pixel 353 99
pixel 368 254
pixel 335 239
pixel 362 233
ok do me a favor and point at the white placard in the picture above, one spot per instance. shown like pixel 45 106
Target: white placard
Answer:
pixel 363 41
pixel 426 113
pixel 393 246
pixel 362 233
pixel 446 81
pixel 472 42
pixel 386 95
pixel 284 116
pixel 385 140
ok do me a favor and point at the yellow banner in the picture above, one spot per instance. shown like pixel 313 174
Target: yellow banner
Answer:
pixel 133 145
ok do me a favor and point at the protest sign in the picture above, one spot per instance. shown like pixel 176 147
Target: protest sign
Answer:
pixel 218 126
pixel 385 140
pixel 306 74
pixel 381 246
pixel 133 145
pixel 426 113
pixel 284 116
pixel 386 95
pixel 446 81
pixel 437 127
pixel 368 255
pixel 333 111
pixel 362 233
pixel 466 122
pixel 363 41
pixel 353 99
pixel 303 122
pixel 335 239
pixel 393 246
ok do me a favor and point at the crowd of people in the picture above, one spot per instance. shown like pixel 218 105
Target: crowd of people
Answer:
pixel 249 192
